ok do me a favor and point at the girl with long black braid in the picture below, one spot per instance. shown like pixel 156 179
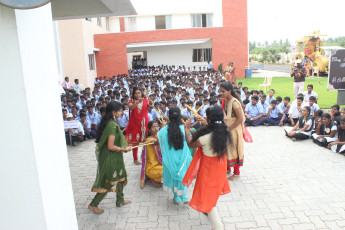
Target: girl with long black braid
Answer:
pixel 175 154
pixel 209 163
pixel 109 153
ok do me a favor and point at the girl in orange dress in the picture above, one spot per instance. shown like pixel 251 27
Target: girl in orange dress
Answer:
pixel 136 129
pixel 209 163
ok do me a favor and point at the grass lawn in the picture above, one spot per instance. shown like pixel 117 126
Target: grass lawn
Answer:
pixel 284 87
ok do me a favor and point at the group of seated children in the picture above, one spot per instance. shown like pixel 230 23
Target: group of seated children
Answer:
pixel 306 118
pixel 325 129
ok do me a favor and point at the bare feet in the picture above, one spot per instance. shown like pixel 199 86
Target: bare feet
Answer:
pixel 156 184
pixel 233 177
pixel 125 202
pixel 174 201
pixel 137 162
pixel 186 202
pixel 96 210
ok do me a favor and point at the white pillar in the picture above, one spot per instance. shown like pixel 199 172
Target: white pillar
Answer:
pixel 36 190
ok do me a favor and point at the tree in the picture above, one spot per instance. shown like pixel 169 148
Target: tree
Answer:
pixel 287 43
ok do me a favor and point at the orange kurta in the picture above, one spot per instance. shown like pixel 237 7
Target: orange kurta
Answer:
pixel 211 181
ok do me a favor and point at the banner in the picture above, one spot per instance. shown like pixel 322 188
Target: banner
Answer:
pixel 71 124
pixel 336 75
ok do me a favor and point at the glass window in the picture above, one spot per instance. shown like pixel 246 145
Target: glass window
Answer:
pixel 202 55
pixel 130 24
pixel 160 22
pixel 107 23
pixel 99 22
pixel 202 20
pixel 92 61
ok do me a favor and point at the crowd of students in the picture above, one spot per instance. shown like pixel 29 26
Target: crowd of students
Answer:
pixel 169 86
pixel 172 112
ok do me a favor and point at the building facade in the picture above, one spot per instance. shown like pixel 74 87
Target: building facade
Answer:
pixel 189 33
pixel 76 40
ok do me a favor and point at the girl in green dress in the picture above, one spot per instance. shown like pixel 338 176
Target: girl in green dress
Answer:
pixel 109 153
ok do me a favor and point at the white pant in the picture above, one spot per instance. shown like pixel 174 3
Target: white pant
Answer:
pixel 334 148
pixel 213 217
pixel 298 88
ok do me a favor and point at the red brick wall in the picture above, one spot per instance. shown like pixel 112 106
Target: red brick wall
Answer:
pixel 229 43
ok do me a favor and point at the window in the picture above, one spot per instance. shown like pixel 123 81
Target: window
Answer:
pixel 130 24
pixel 99 22
pixel 202 20
pixel 92 61
pixel 163 22
pixel 202 55
pixel 88 19
pixel 107 23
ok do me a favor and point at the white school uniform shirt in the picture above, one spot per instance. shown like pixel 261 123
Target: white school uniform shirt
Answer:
pixel 188 114
pixel 306 95
pixel 294 111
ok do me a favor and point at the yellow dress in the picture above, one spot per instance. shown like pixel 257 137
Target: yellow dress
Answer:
pixel 235 152
pixel 227 72
pixel 154 168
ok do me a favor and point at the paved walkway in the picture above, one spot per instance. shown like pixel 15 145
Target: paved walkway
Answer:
pixel 283 185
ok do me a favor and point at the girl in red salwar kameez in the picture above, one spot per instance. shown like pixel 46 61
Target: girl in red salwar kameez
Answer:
pixel 136 129
pixel 209 163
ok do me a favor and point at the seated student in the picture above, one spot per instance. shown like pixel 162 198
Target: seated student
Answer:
pixel 264 104
pixel 338 146
pixel 270 96
pixel 88 133
pixel 75 113
pixel 296 111
pixel 255 93
pixel 122 121
pixel 245 103
pixel 335 114
pixel 279 100
pixel 313 106
pixel 74 135
pixel 342 113
pixel 326 131
pixel 302 129
pixel 243 93
pixel 64 114
pixel 285 107
pixel 247 95
pixel 253 112
pixel 307 94
pixel 317 119
pixel 151 158
pixel 273 114
pixel 261 92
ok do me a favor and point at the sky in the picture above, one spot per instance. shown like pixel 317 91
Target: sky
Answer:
pixel 270 20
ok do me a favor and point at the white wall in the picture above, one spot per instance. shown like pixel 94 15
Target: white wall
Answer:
pixel 181 21
pixel 172 54
pixel 180 10
pixel 145 23
pixel 34 171
pixel 115 24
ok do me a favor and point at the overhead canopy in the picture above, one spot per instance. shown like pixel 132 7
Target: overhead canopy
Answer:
pixel 72 9
pixel 167 43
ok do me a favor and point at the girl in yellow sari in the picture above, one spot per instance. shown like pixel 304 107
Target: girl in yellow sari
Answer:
pixel 152 158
